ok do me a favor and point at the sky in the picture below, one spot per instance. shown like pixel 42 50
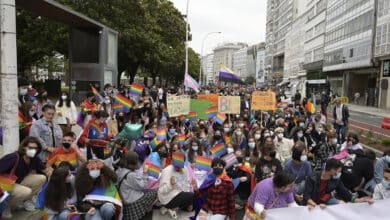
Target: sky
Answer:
pixel 238 20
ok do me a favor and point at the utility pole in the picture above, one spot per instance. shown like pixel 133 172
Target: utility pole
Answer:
pixel 8 78
pixel 186 44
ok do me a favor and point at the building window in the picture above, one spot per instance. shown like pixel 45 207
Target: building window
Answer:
pixel 310 13
pixel 321 5
pixel 319 54
pixel 319 28
pixel 351 53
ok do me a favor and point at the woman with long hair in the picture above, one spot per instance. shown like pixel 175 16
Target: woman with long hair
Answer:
pixel 26 116
pixel 66 113
pixel 60 196
pixel 42 99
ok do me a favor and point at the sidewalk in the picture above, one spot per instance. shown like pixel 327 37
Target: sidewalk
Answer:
pixel 369 110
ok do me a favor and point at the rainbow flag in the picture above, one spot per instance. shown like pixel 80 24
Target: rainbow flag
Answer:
pixel 107 152
pixel 97 95
pixel 74 215
pixel 127 103
pixel 211 112
pixel 178 159
pixel 117 107
pixel 310 107
pixel 136 89
pixel 220 118
pixel 106 194
pixel 182 117
pixel 193 116
pixel 203 163
pixel 161 134
pixel 154 143
pixel 154 170
pixel 181 139
pixel 218 150
pixel 96 127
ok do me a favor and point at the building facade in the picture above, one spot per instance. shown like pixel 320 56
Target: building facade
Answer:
pixel 260 65
pixel 382 51
pixel 223 54
pixel 348 50
pixel 207 69
pixel 239 62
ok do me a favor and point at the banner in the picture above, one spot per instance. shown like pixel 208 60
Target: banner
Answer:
pixel 200 106
pixel 229 104
pixel 213 98
pixel 178 105
pixel 263 101
pixel 355 211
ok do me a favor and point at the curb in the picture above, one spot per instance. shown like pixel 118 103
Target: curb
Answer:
pixel 377 152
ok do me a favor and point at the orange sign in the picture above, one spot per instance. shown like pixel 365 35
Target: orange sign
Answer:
pixel 213 98
pixel 263 101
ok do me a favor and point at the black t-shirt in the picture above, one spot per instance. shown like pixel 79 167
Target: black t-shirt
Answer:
pixel 23 169
pixel 266 169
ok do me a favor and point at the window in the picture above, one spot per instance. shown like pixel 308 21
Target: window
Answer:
pixel 321 5
pixel 310 14
pixel 319 54
pixel 319 28
pixel 308 57
pixel 351 53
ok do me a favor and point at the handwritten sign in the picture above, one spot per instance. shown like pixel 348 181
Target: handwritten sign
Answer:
pixel 263 101
pixel 178 105
pixel 229 104
pixel 213 98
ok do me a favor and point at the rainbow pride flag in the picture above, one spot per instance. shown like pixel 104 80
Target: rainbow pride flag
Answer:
pixel 203 163
pixel 74 215
pixel 154 143
pixel 117 107
pixel 99 97
pixel 193 116
pixel 136 89
pixel 310 107
pixel 178 159
pixel 218 150
pixel 182 117
pixel 97 128
pixel 154 170
pixel 220 118
pixel 161 134
pixel 107 194
pixel 181 139
pixel 127 103
pixel 211 112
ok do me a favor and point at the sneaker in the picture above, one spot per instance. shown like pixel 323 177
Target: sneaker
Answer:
pixel 29 206
pixel 172 213
pixel 163 210
pixel 7 213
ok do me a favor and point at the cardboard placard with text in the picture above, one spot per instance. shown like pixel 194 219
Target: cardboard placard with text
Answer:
pixel 263 101
pixel 229 104
pixel 213 98
pixel 178 105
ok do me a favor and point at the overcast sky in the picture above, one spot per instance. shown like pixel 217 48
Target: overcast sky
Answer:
pixel 238 20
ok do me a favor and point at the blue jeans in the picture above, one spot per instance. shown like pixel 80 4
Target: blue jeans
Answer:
pixel 61 215
pixel 333 201
pixel 340 129
pixel 105 212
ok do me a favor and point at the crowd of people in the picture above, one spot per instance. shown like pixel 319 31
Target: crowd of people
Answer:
pixel 288 157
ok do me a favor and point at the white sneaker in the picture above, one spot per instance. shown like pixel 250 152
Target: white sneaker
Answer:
pixel 7 213
pixel 29 206
pixel 163 210
pixel 173 213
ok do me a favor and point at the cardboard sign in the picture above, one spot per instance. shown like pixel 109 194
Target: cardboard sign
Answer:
pixel 229 104
pixel 213 98
pixel 200 106
pixel 178 105
pixel 263 101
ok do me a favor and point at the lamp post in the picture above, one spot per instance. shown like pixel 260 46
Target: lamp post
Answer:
pixel 201 54
pixel 186 44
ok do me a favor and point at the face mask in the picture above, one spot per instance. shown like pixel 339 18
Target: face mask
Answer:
pixel 230 124
pixel 31 153
pixel 163 154
pixel 302 125
pixel 239 133
pixel 303 158
pixel 319 130
pixel 217 137
pixel 280 136
pixel 251 145
pixel 266 134
pixel 334 141
pixel 66 145
pixel 226 130
pixel 195 148
pixel 385 184
pixel 64 97
pixel 230 150
pixel 108 101
pixel 309 128
pixel 172 130
pixel 23 91
pixel 337 176
pixel 31 113
pixel 70 179
pixel 387 159
pixel 257 136
pixel 94 173
pixel 271 133
pixel 217 171
pixel 300 134
pixel 241 125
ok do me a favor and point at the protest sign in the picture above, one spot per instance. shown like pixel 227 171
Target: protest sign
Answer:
pixel 263 101
pixel 213 98
pixel 178 105
pixel 200 107
pixel 229 104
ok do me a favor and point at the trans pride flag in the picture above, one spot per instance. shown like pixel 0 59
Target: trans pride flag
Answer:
pixel 191 82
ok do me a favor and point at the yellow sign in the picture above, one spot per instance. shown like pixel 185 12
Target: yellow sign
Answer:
pixel 263 101
pixel 178 105
pixel 213 98
pixel 229 104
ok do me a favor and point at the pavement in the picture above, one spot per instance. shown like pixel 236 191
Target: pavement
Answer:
pixel 369 110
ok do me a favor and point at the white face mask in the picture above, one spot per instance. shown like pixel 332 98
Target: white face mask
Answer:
pixel 70 179
pixel 387 159
pixel 64 97
pixel 239 133
pixel 230 150
pixel 266 135
pixel 31 113
pixel 195 148
pixel 280 136
pixel 300 134
pixel 319 130
pixel 303 158
pixel 252 145
pixel 302 125
pixel 94 173
pixel 257 136
pixel 226 130
pixel 31 153
pixel 334 141
pixel 23 91
pixel 337 175
pixel 241 125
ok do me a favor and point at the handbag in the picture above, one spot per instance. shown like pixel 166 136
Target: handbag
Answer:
pixel 8 180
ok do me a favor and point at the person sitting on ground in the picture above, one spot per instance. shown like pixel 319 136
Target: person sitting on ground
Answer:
pixel 382 190
pixel 283 146
pixel 382 163
pixel 28 183
pixel 136 201
pixel 267 166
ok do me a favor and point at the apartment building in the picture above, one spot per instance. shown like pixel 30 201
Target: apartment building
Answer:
pixel 224 54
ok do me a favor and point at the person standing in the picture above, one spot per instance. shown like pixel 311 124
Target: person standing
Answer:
pixel 66 113
pixel 48 133
pixel 340 116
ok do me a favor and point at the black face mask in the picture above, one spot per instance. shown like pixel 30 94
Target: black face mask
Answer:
pixel 272 154
pixel 217 171
pixel 217 137
pixel 239 159
pixel 93 100
pixel 66 145
pixel 163 154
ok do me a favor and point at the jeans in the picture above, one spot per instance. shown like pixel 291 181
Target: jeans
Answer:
pixel 333 201
pixel 105 212
pixel 340 130
pixel 61 216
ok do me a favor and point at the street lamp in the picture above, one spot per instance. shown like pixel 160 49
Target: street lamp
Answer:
pixel 201 54
pixel 186 44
